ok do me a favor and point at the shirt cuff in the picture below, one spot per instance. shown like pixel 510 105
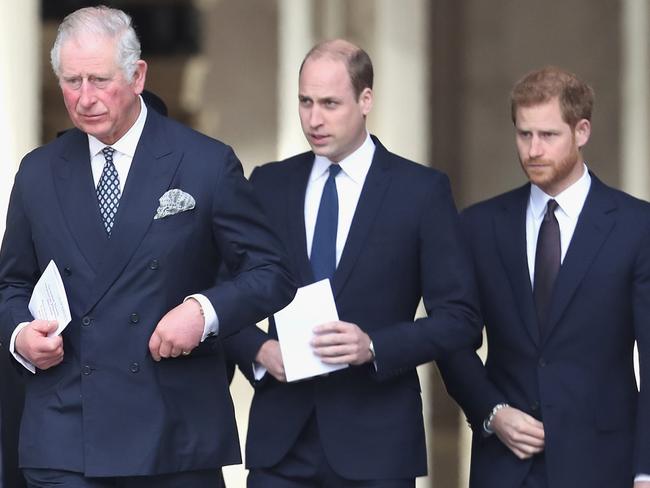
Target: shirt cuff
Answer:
pixel 374 357
pixel 642 477
pixel 211 320
pixel 12 348
pixel 258 371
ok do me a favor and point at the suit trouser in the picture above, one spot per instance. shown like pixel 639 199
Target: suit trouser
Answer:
pixel 306 466
pixel 46 478
pixel 12 394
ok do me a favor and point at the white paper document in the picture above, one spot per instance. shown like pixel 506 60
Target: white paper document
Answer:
pixel 49 301
pixel 313 305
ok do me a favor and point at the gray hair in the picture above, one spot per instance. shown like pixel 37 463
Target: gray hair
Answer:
pixel 101 21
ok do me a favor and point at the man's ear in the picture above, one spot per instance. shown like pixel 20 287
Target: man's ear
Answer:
pixel 366 100
pixel 582 132
pixel 139 76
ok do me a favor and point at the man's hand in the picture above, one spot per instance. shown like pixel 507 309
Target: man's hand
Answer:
pixel 642 484
pixel 270 357
pixel 340 343
pixel 35 346
pixel 523 434
pixel 178 332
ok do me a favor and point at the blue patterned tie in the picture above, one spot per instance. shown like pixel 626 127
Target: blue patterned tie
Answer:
pixel 108 190
pixel 323 248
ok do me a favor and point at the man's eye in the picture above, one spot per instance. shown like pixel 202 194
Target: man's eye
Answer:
pixel 73 82
pixel 99 81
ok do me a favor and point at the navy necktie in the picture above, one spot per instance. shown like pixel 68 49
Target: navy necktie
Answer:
pixel 108 190
pixel 323 247
pixel 547 263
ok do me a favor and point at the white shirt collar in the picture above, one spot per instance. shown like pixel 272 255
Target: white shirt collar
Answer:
pixel 355 166
pixel 571 200
pixel 128 143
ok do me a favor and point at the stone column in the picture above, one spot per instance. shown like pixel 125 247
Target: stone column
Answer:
pixel 295 38
pixel 635 85
pixel 19 90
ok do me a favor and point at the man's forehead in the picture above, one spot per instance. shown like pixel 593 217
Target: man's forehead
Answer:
pixel 89 55
pixel 548 112
pixel 323 82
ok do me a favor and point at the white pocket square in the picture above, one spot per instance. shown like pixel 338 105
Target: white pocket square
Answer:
pixel 174 201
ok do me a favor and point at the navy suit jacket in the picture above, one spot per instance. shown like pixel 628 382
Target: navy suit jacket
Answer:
pixel 403 244
pixel 108 409
pixel 578 378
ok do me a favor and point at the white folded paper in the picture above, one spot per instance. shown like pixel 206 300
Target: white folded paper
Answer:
pixel 49 300
pixel 313 305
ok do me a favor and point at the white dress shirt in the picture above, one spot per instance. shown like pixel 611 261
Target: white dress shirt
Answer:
pixel 349 183
pixel 570 203
pixel 125 149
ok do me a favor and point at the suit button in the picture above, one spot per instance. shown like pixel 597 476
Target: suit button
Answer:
pixel 86 370
pixel 542 363
pixel 134 319
pixel 135 367
pixel 86 321
pixel 154 264
pixel 67 271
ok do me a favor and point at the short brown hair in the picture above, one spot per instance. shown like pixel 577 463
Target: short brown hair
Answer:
pixel 356 60
pixel 540 86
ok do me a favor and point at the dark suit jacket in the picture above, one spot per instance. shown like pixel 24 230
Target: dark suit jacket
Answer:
pixel 404 243
pixel 108 408
pixel 578 378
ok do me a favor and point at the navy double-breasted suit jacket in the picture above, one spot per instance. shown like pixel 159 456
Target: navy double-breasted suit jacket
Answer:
pixel 578 377
pixel 108 409
pixel 403 244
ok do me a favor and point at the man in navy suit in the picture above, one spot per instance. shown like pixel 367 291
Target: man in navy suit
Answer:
pixel 396 239
pixel 563 270
pixel 138 212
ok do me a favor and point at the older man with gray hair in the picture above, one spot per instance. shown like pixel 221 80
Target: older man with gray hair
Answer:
pixel 138 213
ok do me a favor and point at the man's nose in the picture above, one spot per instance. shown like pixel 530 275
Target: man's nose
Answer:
pixel 86 94
pixel 315 117
pixel 536 149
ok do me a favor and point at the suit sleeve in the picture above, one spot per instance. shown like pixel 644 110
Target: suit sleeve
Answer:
pixel 463 372
pixel 466 380
pixel 261 283
pixel 242 347
pixel 18 266
pixel 448 292
pixel 641 291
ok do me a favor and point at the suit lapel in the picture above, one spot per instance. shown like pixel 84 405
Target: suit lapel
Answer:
pixel 152 170
pixel 594 225
pixel 75 189
pixel 372 194
pixel 510 234
pixel 296 218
